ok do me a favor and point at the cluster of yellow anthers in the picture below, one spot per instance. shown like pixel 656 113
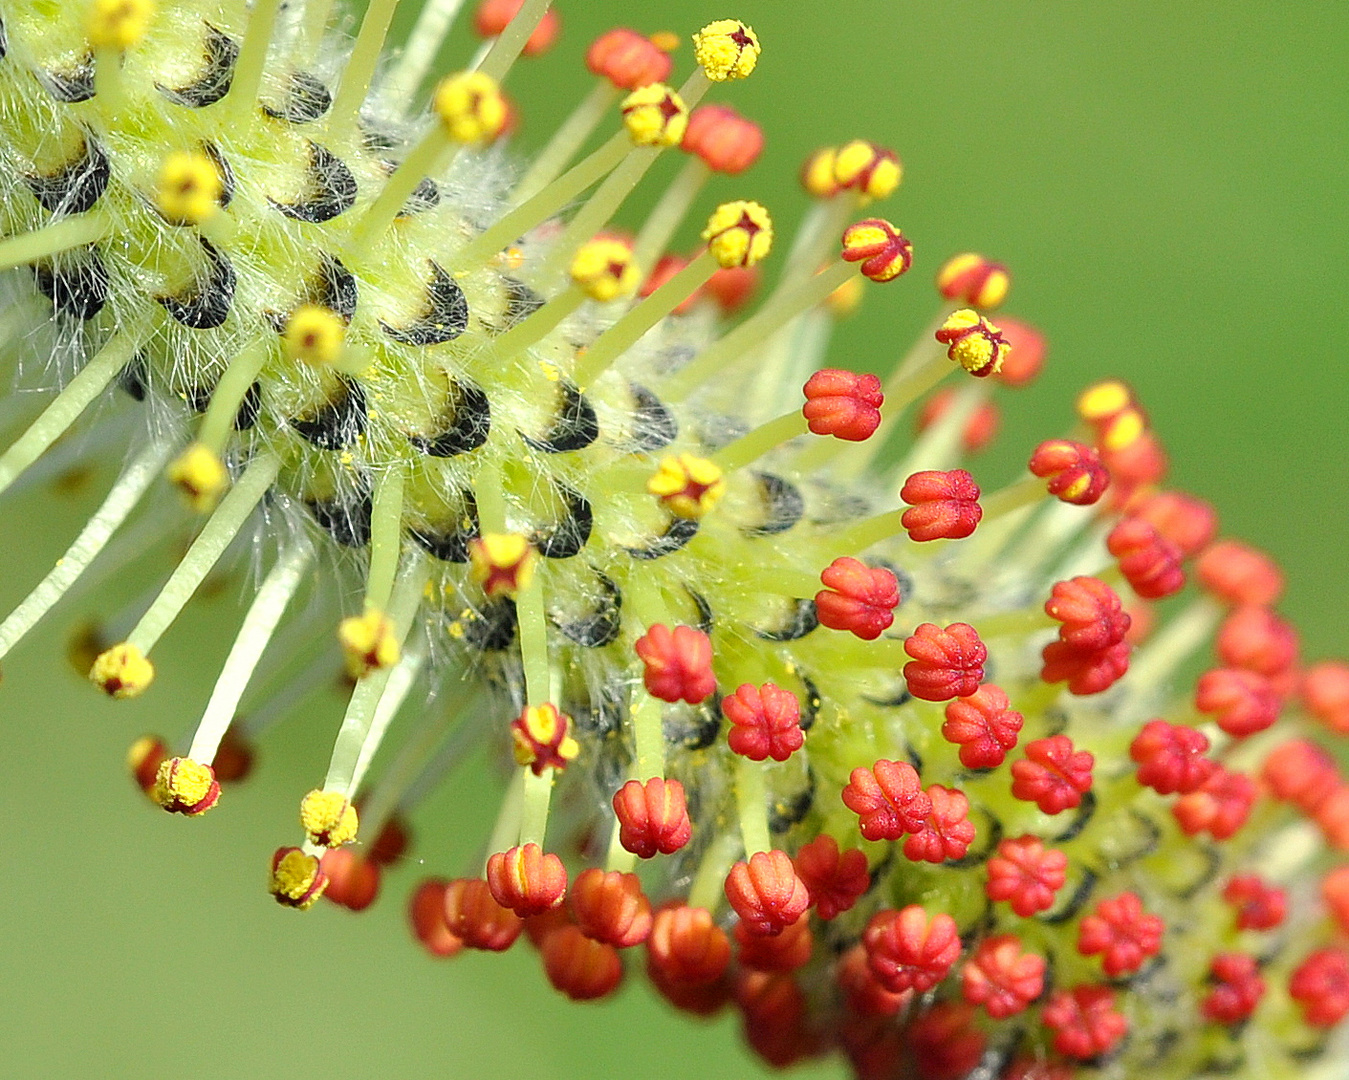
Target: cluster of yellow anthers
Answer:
pixel 745 638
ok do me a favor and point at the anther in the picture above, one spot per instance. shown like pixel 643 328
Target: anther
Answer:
pixel 1122 932
pixel 189 189
pixel 1241 702
pixel 655 116
pixel 872 171
pixel 353 880
pixel 1236 573
pixel 527 880
pixel 369 643
pixel 1320 984
pixel 426 912
pixel 1084 1021
pixel 603 270
pixel 857 598
pixel 611 907
pixel 1027 356
pixel 652 817
pixel 1171 758
pixel 541 738
pixel 1001 977
pixel 328 818
pixel 502 563
pixel 628 59
pixel 739 234
pixel 765 722
pixel 843 404
pixel 1074 470
pixel 947 662
pixel 579 966
pixel 1259 905
pixel 1053 774
pixel 184 786
pixel 888 799
pixel 473 915
pixel 766 893
pixel 297 879
pixel 687 485
pixel 974 343
pixel 1325 691
pixel 974 281
pixel 726 49
pixel 725 141
pixel 945 505
pixel 910 950
pixel 947 831
pixel 1219 806
pixel 984 727
pixel 884 252
pixel 118 24
pixel 122 671
pixel 1026 875
pixel 314 335
pixel 1149 562
pixel 470 107
pixel 1237 988
pixel 200 475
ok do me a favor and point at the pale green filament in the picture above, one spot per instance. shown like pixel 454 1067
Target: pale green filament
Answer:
pixel 386 537
pixel 217 426
pixel 506 49
pixel 646 713
pixel 264 613
pixel 753 445
pixel 314 23
pixel 566 141
pixel 126 493
pixel 507 825
pixel 537 794
pixel 424 159
pixel 1158 660
pixel 252 60
pixel 108 85
pixel 428 34
pixel 91 381
pixel 533 329
pixel 221 527
pixel 533 624
pixel 709 882
pixel 751 799
pixel 667 214
pixel 400 682
pixel 355 83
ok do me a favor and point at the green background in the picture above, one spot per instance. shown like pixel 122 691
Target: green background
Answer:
pixel 1167 182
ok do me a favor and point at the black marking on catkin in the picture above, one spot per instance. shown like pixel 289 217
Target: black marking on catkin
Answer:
pixel 134 377
pixel 207 304
pixel 4 40
pixel 811 702
pixel 653 425
pixel 76 284
pixel 992 837
pixel 705 619
pixel 227 182
pixel 678 533
pixel 469 424
pixel 75 187
pixel 600 626
pixel 791 810
pixel 567 537
pixel 799 621
pixel 1086 810
pixel 339 422
pixel 1076 902
pixel 783 505
pixel 220 52
pixel 521 301
pixel 693 728
pixel 575 427
pixel 425 196
pixel 346 521
pixel 72 84
pixel 307 99
pixel 493 627
pixel 331 189
pixel 336 288
pixel 444 313
pixel 451 544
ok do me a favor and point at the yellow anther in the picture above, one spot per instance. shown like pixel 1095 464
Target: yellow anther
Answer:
pixel 184 786
pixel 122 671
pixel 542 734
pixel 200 475
pixel 604 270
pixel 470 106
pixel 667 41
pixel 1103 400
pixel 973 342
pixel 844 300
pixel 328 818
pixel 688 485
pixel 817 174
pixel 739 233
pixel 1122 430
pixel 870 169
pixel 118 24
pixel 655 116
pixel 314 335
pixel 189 188
pixel 972 279
pixel 297 880
pixel 502 563
pixel 726 49
pixel 368 643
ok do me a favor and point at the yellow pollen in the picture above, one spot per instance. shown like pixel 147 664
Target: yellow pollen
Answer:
pixel 604 270
pixel 739 233
pixel 817 177
pixel 1102 400
pixel 122 671
pixel 118 24
pixel 857 157
pixel 470 106
pixel 655 115
pixel 726 49
pixel 181 782
pixel 314 335
pixel 501 563
pixel 1124 430
pixel 688 485
pixel 293 878
pixel 200 475
pixel 368 643
pixel 189 188
pixel 863 235
pixel 667 41
pixel 328 818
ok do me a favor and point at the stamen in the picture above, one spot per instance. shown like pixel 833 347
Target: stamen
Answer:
pixel 270 603
pixel 939 446
pixel 121 500
pixel 64 235
pixel 508 45
pixel 428 34
pixel 91 381
pixel 751 799
pixel 355 82
pixel 569 137
pixel 386 534
pixel 243 92
pixel 395 693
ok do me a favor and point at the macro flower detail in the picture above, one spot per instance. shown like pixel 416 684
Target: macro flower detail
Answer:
pixel 1001 977
pixel 541 738
pixel 1171 758
pixel 526 879
pixel 328 818
pixel 652 817
pixel 766 722
pixel 184 786
pixel 948 662
pixel 835 879
pixel 655 116
pixel 726 49
pixel 725 141
pixel 843 404
pixel 766 893
pixel 910 950
pixel 889 800
pixel 883 250
pixel 1026 874
pixel 677 664
pixel 945 505
pixel 857 598
pixel 974 343
pixel 1074 471
pixel 983 725
pixel 1053 774
pixel 974 280
pixel 739 234
pixel 871 170
pixel 1085 1021
pixel 1121 932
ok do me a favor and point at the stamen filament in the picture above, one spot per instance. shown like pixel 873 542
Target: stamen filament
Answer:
pixel 751 798
pixel 567 140
pixel 108 79
pixel 314 23
pixel 355 81
pixel 220 529
pixel 217 426
pixel 1024 492
pixel 1158 659
pixel 939 446
pixel 400 682
pixel 706 891
pixel 670 211
pixel 124 496
pixel 538 793
pixel 424 159
pixel 533 623
pixel 535 327
pixel 507 825
pixel 428 34
pixel 386 537
pixel 506 49
pixel 273 597
pixel 63 235
pixel 91 381
pixel 753 445
pixel 648 735
pixel 625 333
pixel 252 59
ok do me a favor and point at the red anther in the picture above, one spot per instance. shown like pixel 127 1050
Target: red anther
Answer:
pixel 581 967
pixel 493 16
pixel 1091 613
pixel 1002 978
pixel 652 817
pixel 426 911
pixel 1053 775
pixel 787 951
pixel 538 927
pixel 857 598
pixel 1259 905
pixel 732 287
pixel 983 726
pixel 686 948
pixel 910 950
pixel 391 842
pixel 1187 522
pixel 726 141
pixel 473 915
pixel 1333 817
pixel 1027 356
pixel 766 893
pixel 863 991
pixel 234 757
pixel 980 427
pixel 666 268
pixel 888 799
pixel 1084 1021
pixel 628 60
pixel 1335 892
pixel 1325 691
pixel 1321 986
pixel 947 833
pixel 1074 470
pixel 1238 988
pixel 1237 573
pixel 144 757
pixel 1300 772
pixel 774 1010
pixel 1240 702
pixel 843 404
pixel 1171 758
pixel 945 1042
pixel 526 880
pixel 947 663
pixel 611 907
pixel 1085 673
pixel 541 738
pixel 1149 561
pixel 1135 469
pixel 835 879
pixel 677 663
pixel 1220 805
pixel 1026 874
pixel 353 880
pixel 1028 1068
pixel 945 505
pixel 884 252
pixel 973 281
pixel 1121 932
pixel 765 722
pixel 1256 639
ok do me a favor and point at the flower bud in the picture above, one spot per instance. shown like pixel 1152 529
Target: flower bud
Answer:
pixel 1240 702
pixel 426 912
pixel 983 726
pixel 910 950
pixel 1325 690
pixel 765 722
pixel 1148 561
pixel 1053 775
pixel 888 799
pixel 766 893
pixel 1236 573
pixel 834 879
pixel 1074 470
pixel 947 831
pixel 1084 1021
pixel 611 907
pixel 1026 874
pixel 527 880
pixel 677 663
pixel 1121 932
pixel 1026 355
pixel 580 967
pixel 1002 978
pixel 739 234
pixel 947 663
pixel 652 817
pixel 473 915
pixel 687 947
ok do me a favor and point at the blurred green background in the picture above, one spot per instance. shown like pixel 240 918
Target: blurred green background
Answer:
pixel 1167 182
